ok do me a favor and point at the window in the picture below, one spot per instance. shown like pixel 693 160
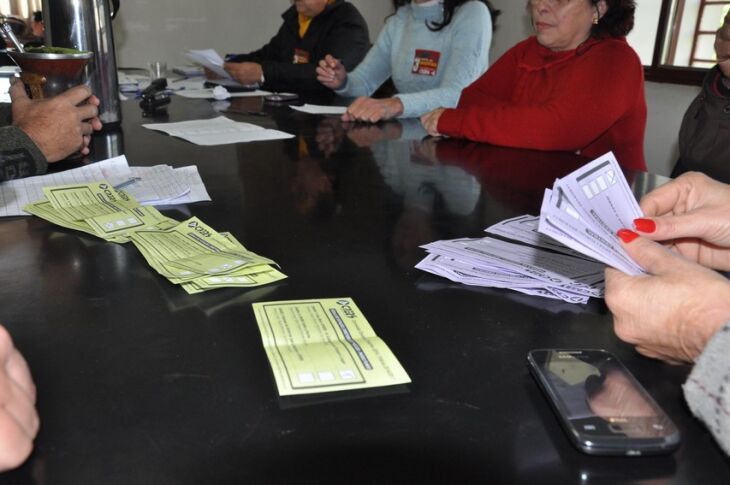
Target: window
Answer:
pixel 675 38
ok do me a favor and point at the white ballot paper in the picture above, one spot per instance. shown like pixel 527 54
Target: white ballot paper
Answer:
pixel 206 93
pixel 581 215
pixel 158 185
pixel 586 208
pixel 217 131
pixel 210 59
pixel 316 109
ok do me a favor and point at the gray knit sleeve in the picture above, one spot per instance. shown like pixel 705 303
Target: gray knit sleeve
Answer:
pixel 707 389
pixel 6 114
pixel 19 156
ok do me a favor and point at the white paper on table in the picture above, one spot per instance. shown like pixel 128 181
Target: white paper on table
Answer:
pixel 197 190
pixel 207 93
pixel 217 131
pixel 545 266
pixel 525 229
pixel 16 194
pixel 186 84
pixel 316 109
pixel 155 185
pixel 158 186
pixel 460 272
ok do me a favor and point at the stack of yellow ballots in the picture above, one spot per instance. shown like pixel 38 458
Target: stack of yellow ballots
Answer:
pixel 188 253
pixel 97 209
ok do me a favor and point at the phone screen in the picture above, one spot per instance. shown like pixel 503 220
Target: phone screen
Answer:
pixel 597 397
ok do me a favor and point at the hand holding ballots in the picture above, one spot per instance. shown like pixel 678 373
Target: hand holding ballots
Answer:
pixel 558 254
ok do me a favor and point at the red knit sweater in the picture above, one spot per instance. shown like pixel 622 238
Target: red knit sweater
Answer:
pixel 589 100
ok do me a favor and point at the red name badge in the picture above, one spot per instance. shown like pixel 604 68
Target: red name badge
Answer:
pixel 300 56
pixel 426 63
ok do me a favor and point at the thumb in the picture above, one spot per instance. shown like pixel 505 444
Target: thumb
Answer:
pixel 76 95
pixel 650 255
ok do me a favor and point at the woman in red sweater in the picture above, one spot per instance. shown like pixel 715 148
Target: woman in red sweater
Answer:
pixel 574 86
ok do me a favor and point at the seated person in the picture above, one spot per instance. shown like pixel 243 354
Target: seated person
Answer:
pixel 42 131
pixel 311 29
pixel 680 311
pixel 18 417
pixel 707 120
pixel 574 86
pixel 431 49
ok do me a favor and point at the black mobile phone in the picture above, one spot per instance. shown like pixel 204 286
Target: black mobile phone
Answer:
pixel 601 406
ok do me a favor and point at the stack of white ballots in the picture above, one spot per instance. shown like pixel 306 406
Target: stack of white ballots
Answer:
pixel 562 253
pixel 158 185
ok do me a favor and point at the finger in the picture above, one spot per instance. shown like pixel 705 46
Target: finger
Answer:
pixel 96 124
pixel 648 254
pixel 86 129
pixel 664 199
pixel 87 111
pixel 76 95
pixel 94 101
pixel 19 405
pixel 16 445
pixel 615 295
pixel 19 372
pixel 689 225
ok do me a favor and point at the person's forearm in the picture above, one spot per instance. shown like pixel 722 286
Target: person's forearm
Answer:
pixel 707 389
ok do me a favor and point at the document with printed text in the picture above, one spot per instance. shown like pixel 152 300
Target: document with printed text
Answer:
pixel 324 346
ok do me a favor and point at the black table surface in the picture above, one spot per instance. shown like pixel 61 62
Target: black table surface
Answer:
pixel 140 383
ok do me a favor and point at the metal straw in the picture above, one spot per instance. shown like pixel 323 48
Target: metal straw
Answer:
pixel 8 32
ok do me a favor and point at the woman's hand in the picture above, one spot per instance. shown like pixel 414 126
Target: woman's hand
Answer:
pixel 671 313
pixel 692 215
pixel 430 121
pixel 331 72
pixel 373 110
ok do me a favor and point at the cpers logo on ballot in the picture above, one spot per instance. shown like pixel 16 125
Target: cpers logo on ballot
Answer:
pixel 112 193
pixel 196 226
pixel 346 308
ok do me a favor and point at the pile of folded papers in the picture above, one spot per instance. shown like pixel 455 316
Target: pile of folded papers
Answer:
pixel 188 253
pixel 562 253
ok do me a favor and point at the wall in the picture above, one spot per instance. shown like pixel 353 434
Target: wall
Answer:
pixel 162 30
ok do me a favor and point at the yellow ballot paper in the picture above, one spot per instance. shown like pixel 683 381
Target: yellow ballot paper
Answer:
pixel 324 346
pixel 84 201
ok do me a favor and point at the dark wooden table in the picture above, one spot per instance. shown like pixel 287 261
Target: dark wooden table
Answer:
pixel 140 383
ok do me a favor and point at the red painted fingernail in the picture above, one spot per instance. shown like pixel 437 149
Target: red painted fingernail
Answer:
pixel 645 225
pixel 626 235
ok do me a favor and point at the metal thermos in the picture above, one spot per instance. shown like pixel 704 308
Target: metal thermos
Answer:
pixel 87 25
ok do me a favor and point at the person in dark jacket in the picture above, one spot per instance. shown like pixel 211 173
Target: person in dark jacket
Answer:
pixel 703 137
pixel 35 132
pixel 311 29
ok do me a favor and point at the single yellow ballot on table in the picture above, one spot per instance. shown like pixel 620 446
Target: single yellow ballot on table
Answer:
pixel 324 346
